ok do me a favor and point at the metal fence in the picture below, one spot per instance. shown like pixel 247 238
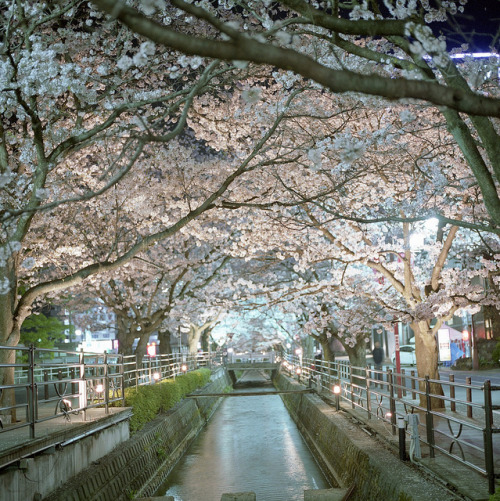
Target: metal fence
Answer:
pixel 459 422
pixel 49 384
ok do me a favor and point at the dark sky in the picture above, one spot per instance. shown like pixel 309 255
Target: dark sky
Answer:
pixel 479 23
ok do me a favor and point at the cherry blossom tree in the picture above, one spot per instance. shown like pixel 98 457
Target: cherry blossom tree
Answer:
pixel 398 175
pixel 375 48
pixel 85 151
pixel 157 290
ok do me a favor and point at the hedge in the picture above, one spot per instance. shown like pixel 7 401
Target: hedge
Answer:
pixel 147 401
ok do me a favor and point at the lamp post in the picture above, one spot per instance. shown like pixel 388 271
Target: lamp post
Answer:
pixel 336 391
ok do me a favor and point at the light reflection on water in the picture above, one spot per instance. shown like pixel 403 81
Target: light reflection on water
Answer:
pixel 251 444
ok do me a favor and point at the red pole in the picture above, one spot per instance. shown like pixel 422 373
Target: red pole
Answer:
pixel 398 359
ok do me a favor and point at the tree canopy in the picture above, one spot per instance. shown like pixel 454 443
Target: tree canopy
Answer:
pixel 325 166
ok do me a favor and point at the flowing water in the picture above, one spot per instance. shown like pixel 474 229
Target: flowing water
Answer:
pixel 250 444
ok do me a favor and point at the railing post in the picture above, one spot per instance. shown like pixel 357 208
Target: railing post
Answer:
pixel 468 393
pixel 122 378
pixel 488 438
pixel 413 387
pixel 352 388
pixel 453 405
pixel 82 383
pixel 32 392
pixel 368 392
pixel 74 387
pixel 403 381
pixel 106 383
pixel 392 401
pixel 136 373
pixel 46 386
pixel 429 420
pixel 59 377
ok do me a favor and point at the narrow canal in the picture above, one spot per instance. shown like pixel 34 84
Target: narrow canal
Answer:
pixel 250 444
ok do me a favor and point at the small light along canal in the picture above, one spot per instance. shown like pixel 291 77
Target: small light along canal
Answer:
pixel 250 444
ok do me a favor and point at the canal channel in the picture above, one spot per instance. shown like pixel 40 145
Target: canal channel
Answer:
pixel 250 444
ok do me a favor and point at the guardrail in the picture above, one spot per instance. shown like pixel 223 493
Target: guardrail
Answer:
pixel 48 384
pixel 461 426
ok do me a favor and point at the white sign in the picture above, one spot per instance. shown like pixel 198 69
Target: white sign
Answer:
pixel 444 345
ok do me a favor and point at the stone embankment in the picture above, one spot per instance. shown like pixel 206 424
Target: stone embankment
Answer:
pixel 137 467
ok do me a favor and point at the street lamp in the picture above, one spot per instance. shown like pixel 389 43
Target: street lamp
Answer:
pixel 336 391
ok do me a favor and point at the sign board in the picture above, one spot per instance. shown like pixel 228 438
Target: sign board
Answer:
pixel 151 350
pixel 444 345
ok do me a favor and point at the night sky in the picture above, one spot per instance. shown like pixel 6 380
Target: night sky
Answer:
pixel 479 24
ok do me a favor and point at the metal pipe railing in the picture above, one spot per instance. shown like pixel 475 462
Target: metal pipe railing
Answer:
pixel 359 392
pixel 82 381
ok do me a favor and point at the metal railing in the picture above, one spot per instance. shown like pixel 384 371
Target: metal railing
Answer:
pixel 50 383
pixel 458 422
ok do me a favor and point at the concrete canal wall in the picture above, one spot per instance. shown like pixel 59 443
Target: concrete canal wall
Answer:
pixel 350 457
pixel 39 473
pixel 138 466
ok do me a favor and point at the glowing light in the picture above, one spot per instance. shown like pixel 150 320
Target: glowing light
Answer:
pixel 99 388
pixel 184 368
pixel 151 349
pixel 336 389
pixel 156 376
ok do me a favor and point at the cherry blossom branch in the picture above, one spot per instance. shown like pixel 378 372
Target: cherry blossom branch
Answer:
pixel 243 48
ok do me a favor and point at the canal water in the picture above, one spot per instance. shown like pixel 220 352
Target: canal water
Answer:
pixel 250 444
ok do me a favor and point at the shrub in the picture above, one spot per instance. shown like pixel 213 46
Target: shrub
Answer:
pixel 495 497
pixel 495 356
pixel 147 401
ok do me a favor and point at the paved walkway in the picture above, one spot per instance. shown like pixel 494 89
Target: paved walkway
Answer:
pixel 458 477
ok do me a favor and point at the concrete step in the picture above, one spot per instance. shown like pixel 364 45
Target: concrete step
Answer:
pixel 157 498
pixel 238 496
pixel 324 494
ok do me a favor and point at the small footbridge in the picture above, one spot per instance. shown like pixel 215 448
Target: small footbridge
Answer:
pixel 241 362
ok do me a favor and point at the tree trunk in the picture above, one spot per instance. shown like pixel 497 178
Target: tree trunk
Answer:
pixel 328 354
pixel 125 337
pixel 205 339
pixel 308 347
pixel 142 345
pixel 10 332
pixel 426 351
pixel 194 338
pixel 357 359
pixel 165 347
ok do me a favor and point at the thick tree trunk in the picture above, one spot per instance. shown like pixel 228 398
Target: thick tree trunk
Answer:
pixel 356 353
pixel 194 338
pixel 427 354
pixel 125 337
pixel 165 347
pixel 328 354
pixel 10 332
pixel 205 339
pixel 308 347
pixel 142 346
pixel 357 359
